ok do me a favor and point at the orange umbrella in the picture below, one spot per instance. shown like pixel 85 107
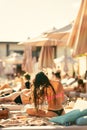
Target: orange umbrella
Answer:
pixel 78 36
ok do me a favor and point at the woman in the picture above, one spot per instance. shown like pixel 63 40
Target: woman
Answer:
pixel 27 80
pixel 23 96
pixel 81 88
pixel 20 97
pixel 77 90
pixel 50 91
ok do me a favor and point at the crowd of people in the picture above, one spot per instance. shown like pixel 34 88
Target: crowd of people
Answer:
pixel 41 91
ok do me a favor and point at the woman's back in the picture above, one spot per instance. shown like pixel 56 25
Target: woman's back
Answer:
pixel 55 101
pixel 50 90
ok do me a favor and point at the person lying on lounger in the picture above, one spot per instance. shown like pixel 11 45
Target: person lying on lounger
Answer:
pixel 19 97
pixel 20 83
pixel 23 80
pixel 81 86
pixel 76 90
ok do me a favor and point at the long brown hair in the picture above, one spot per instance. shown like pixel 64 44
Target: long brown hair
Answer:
pixel 40 83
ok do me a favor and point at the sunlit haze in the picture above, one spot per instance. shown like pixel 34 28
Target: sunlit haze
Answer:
pixel 20 19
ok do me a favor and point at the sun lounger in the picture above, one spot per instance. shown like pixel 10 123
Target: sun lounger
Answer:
pixel 6 91
pixel 12 107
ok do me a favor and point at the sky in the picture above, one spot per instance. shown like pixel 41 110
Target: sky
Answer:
pixel 20 19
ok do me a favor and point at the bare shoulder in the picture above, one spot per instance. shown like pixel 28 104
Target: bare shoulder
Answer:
pixel 57 85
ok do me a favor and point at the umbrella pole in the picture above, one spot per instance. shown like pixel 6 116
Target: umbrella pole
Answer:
pixel 86 76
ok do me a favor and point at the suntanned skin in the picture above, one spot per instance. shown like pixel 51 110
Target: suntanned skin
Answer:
pixel 24 96
pixel 59 96
pixel 5 86
pixel 52 105
pixel 54 101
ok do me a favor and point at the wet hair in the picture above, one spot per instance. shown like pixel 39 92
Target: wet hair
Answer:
pixel 41 81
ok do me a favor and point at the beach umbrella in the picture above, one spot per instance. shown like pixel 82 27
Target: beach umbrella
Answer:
pixel 46 59
pixel 53 38
pixel 42 40
pixel 61 59
pixel 65 61
pixel 14 58
pixel 46 54
pixel 27 64
pixel 1 67
pixel 39 41
pixel 61 34
pixel 78 36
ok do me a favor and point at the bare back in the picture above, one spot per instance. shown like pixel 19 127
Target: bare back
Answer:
pixel 55 101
